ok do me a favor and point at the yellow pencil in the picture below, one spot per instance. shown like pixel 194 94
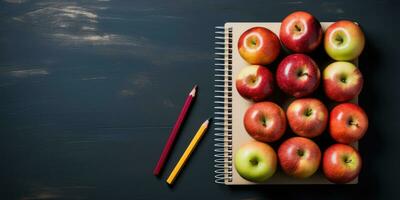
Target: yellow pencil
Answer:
pixel 178 167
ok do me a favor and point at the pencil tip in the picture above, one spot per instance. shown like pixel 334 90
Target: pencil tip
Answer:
pixel 193 92
pixel 208 120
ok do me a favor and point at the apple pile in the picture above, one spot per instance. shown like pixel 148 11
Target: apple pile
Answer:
pixel 298 77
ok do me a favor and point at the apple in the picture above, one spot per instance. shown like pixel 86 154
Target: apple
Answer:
pixel 342 81
pixel 348 123
pixel 255 82
pixel 341 163
pixel 259 46
pixel 298 75
pixel 255 161
pixel 344 40
pixel 307 117
pixel 299 157
pixel 300 32
pixel 265 121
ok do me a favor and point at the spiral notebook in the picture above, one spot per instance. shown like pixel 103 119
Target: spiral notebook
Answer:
pixel 230 107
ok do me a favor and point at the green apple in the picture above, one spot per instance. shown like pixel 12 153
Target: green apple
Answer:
pixel 255 161
pixel 344 40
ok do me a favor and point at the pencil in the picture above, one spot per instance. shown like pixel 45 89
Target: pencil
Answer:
pixel 178 167
pixel 174 132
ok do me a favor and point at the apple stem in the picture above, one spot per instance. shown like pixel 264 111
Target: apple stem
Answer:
pixel 352 123
pixel 301 73
pixel 347 159
pixel 300 152
pixel 308 112
pixel 253 42
pixel 297 27
pixel 264 121
pixel 254 161
pixel 339 39
pixel 343 79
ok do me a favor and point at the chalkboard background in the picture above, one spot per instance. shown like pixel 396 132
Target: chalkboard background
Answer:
pixel 89 91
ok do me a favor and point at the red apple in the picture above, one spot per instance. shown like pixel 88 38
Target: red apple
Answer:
pixel 342 81
pixel 298 75
pixel 259 46
pixel 301 32
pixel 344 40
pixel 348 123
pixel 341 163
pixel 255 82
pixel 299 157
pixel 307 117
pixel 265 121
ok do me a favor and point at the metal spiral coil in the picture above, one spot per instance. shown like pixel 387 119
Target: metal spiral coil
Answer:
pixel 223 105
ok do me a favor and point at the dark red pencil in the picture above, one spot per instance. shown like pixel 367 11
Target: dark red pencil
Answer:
pixel 174 132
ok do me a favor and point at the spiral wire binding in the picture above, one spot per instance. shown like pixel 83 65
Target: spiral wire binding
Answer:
pixel 223 105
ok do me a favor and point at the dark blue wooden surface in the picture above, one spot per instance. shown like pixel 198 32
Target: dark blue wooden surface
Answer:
pixel 89 91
